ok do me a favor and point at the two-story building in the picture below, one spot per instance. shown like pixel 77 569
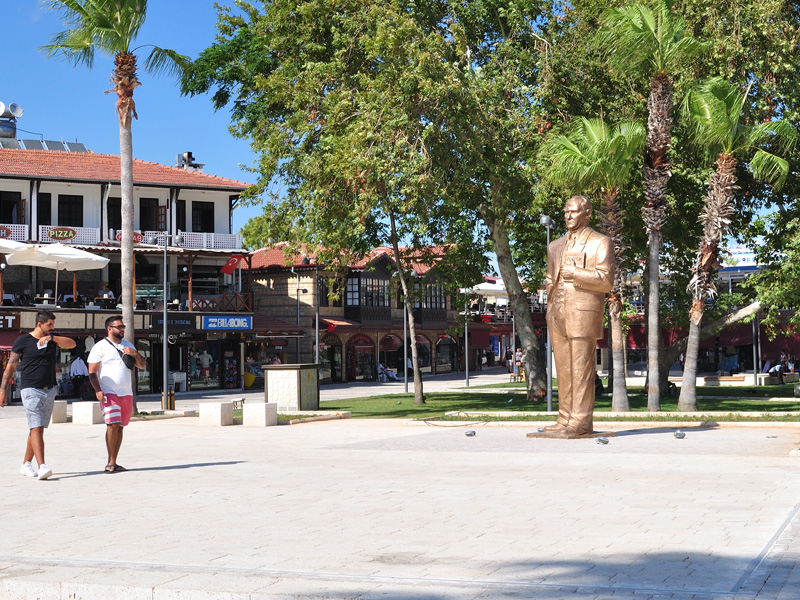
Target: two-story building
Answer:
pixel 52 191
pixel 361 322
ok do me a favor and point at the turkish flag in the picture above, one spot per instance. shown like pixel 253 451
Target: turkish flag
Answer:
pixel 331 327
pixel 229 267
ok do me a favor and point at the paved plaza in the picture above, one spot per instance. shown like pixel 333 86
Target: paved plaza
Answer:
pixel 382 509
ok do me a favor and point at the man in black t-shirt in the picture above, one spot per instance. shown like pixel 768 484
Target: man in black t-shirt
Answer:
pixel 36 353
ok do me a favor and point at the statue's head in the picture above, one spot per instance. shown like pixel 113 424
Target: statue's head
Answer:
pixel 577 211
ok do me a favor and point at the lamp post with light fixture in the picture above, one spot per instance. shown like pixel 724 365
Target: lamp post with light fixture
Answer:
pixel 177 239
pixel 548 223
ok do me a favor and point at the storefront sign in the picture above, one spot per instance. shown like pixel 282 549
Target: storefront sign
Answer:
pixel 138 238
pixel 61 233
pixel 174 323
pixel 8 322
pixel 219 322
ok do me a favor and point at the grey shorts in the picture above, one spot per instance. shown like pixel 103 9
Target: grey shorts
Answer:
pixel 38 405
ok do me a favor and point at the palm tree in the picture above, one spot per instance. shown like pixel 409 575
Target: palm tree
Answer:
pixel 649 39
pixel 111 28
pixel 597 160
pixel 715 108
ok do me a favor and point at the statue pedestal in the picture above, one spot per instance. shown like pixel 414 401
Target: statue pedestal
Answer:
pixel 555 435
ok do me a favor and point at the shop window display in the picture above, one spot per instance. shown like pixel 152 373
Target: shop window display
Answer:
pixel 203 365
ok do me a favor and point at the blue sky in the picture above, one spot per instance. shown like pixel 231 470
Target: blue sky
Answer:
pixel 68 103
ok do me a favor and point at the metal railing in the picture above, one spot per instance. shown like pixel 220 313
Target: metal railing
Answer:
pixel 83 235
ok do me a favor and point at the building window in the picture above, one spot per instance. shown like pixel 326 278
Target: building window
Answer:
pixel 435 296
pixel 9 207
pixel 70 210
pixel 203 217
pixel 114 208
pixel 324 291
pixel 180 215
pixel 147 214
pixel 351 296
pixel 374 292
pixel 43 211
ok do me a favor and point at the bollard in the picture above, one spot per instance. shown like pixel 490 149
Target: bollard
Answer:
pixel 170 404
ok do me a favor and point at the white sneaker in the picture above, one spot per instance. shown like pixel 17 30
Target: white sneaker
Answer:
pixel 44 472
pixel 27 470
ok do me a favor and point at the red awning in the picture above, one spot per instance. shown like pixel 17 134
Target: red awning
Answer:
pixel 479 338
pixel 334 324
pixel 7 339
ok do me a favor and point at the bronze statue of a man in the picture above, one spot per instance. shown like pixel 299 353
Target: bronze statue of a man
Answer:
pixel 580 271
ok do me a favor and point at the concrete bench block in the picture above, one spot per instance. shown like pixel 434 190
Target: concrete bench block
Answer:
pixel 59 411
pixel 87 413
pixel 216 414
pixel 260 414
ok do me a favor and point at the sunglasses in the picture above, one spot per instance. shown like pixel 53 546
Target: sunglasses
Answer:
pixel 117 326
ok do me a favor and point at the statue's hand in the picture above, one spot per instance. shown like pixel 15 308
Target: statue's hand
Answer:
pixel 568 272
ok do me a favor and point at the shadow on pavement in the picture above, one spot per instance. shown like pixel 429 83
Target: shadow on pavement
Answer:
pixel 662 430
pixel 164 468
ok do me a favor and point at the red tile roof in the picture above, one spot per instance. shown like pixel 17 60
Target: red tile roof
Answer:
pixel 52 165
pixel 264 258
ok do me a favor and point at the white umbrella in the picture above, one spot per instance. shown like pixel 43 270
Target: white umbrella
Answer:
pixel 7 246
pixel 486 289
pixel 54 256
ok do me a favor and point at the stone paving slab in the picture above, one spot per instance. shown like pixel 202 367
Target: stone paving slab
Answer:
pixel 373 509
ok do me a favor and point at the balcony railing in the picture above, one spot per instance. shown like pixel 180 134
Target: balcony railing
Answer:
pixel 224 302
pixel 213 241
pixel 91 236
pixel 370 314
pixel 16 232
pixel 431 316
pixel 83 235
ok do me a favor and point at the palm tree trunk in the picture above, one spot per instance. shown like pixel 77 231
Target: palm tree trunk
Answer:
pixel 656 176
pixel 716 211
pixel 419 397
pixel 653 324
pixel 126 245
pixel 619 393
pixel 611 220
pixel 125 81
pixel 687 401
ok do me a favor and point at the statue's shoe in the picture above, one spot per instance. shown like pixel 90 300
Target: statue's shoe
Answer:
pixel 576 431
pixel 557 428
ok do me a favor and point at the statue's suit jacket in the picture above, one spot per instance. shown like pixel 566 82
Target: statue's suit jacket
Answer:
pixel 583 297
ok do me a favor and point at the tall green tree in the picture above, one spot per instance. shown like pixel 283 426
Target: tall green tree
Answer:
pixel 651 40
pixel 342 103
pixel 717 111
pixel 111 27
pixel 596 159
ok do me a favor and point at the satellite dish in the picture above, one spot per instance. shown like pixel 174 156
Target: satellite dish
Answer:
pixel 12 111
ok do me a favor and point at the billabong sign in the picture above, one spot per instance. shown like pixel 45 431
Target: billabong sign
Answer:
pixel 220 322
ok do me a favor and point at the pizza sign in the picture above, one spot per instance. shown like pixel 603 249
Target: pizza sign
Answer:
pixel 61 233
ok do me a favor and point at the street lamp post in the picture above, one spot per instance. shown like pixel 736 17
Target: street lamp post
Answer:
pixel 177 239
pixel 304 291
pixel 548 223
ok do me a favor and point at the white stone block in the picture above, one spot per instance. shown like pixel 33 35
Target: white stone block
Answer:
pixel 87 413
pixel 216 414
pixel 260 414
pixel 59 411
